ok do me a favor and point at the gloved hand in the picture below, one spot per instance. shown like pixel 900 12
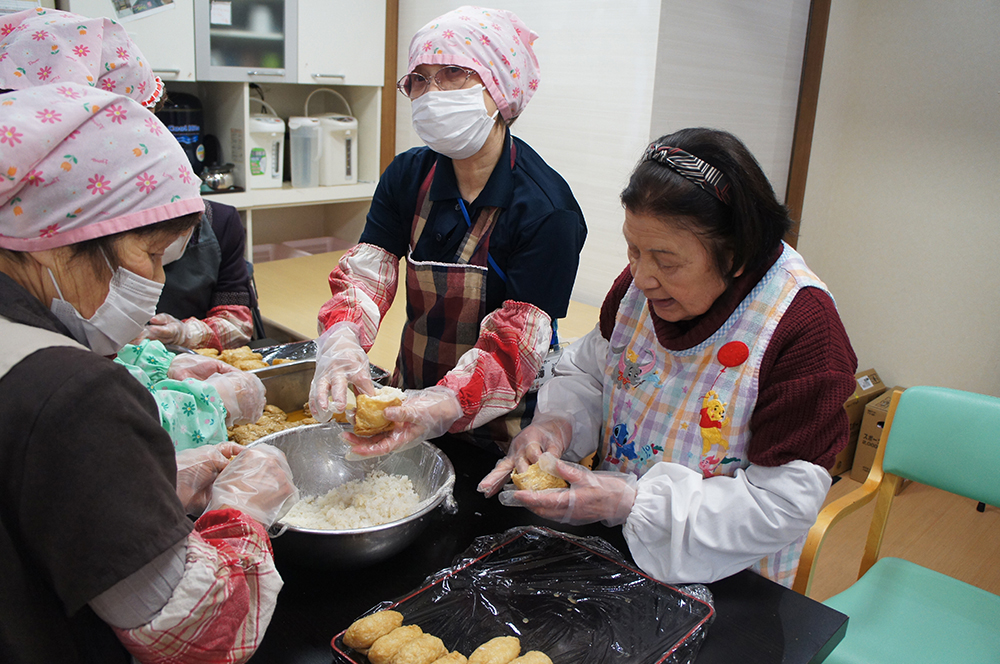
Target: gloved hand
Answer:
pixel 199 367
pixel 167 329
pixel 340 361
pixel 197 469
pixel 243 395
pixel 605 496
pixel 548 432
pixel 258 482
pixel 424 414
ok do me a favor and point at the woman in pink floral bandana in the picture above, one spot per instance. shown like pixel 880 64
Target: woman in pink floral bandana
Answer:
pixel 491 236
pixel 98 554
pixel 44 46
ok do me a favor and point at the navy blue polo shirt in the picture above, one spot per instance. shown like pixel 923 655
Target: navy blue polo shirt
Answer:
pixel 535 243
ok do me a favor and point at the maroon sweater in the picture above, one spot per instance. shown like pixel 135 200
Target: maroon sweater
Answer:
pixel 806 375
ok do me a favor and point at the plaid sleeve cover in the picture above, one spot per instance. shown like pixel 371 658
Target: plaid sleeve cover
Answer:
pixel 495 374
pixel 225 326
pixel 363 286
pixel 224 601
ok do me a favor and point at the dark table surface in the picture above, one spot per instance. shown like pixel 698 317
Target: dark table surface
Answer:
pixel 756 620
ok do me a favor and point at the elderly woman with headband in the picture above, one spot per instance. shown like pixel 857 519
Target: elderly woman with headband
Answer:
pixel 99 555
pixel 491 237
pixel 713 387
pixel 207 299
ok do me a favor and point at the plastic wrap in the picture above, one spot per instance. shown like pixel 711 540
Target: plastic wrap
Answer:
pixel 573 598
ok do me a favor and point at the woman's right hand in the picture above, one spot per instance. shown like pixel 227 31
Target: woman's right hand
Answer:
pixel 257 482
pixel 547 432
pixel 340 361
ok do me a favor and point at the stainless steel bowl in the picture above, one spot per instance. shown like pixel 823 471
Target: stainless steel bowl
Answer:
pixel 316 456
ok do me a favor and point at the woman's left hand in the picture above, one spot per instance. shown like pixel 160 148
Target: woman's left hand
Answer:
pixel 592 496
pixel 199 367
pixel 197 469
pixel 423 415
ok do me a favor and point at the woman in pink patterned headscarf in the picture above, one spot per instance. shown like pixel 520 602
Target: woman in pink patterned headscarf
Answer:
pixel 43 46
pixel 93 189
pixel 492 237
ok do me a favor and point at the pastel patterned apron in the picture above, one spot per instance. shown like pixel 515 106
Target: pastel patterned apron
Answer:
pixel 445 305
pixel 693 407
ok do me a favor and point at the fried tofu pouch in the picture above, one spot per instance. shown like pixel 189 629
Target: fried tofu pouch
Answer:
pixel 363 632
pixel 499 650
pixel 385 647
pixel 369 418
pixel 532 657
pixel 453 657
pixel 425 649
pixel 536 479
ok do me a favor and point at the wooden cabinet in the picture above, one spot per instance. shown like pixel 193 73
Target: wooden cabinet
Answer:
pixel 252 40
pixel 341 42
pixel 328 42
pixel 166 37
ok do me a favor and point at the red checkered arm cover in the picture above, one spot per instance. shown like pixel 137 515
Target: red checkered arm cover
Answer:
pixel 363 286
pixel 495 374
pixel 225 326
pixel 223 604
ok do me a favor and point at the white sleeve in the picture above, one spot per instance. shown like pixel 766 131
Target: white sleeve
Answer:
pixel 576 390
pixel 686 529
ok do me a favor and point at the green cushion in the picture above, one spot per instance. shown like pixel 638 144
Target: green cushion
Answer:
pixel 902 612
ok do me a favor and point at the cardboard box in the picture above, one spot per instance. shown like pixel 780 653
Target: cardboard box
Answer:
pixel 869 386
pixel 870 435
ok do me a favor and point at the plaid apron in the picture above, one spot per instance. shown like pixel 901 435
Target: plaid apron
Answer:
pixel 693 407
pixel 445 305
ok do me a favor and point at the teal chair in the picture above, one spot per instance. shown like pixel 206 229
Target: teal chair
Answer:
pixel 899 611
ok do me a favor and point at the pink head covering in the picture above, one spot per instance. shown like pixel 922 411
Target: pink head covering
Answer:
pixel 493 42
pixel 43 46
pixel 78 163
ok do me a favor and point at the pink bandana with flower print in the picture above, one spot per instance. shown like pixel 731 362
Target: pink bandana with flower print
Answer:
pixel 493 42
pixel 43 46
pixel 78 163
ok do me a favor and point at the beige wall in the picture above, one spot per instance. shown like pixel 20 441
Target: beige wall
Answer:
pixel 902 209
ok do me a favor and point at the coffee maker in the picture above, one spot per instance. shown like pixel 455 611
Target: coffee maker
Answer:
pixel 183 116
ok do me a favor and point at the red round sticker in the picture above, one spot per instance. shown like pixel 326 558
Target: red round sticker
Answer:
pixel 733 354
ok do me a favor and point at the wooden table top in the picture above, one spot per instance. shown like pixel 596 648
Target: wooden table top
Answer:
pixel 291 292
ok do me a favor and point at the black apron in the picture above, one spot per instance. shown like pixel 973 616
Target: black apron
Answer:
pixel 191 279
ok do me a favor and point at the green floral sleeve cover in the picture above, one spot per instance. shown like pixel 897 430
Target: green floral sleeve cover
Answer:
pixel 190 411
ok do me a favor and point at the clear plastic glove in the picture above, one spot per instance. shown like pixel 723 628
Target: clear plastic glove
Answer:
pixel 258 482
pixel 605 496
pixel 243 395
pixel 197 469
pixel 547 432
pixel 423 415
pixel 340 360
pixel 199 367
pixel 167 329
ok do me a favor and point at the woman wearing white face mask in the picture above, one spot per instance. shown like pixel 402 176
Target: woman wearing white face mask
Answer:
pixel 491 236
pixel 100 559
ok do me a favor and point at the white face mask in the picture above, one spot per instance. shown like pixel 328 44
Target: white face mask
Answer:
pixel 130 303
pixel 176 248
pixel 453 122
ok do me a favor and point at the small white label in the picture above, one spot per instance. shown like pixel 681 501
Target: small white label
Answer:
pixel 865 383
pixel 221 12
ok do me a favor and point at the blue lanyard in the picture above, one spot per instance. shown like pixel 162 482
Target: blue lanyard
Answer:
pixel 489 258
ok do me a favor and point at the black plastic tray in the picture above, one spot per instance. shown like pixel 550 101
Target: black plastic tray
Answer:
pixel 572 598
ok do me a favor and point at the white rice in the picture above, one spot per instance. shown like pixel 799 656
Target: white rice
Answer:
pixel 377 499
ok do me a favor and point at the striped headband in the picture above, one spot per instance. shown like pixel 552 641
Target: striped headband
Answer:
pixel 692 168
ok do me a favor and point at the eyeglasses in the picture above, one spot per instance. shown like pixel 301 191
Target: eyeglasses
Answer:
pixel 447 78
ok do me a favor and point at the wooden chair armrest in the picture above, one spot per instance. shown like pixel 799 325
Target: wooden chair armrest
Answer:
pixel 829 516
pixel 840 508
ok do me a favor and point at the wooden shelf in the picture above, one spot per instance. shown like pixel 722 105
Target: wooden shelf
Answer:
pixel 288 196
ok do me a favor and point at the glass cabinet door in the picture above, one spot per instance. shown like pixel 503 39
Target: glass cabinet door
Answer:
pixel 246 40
